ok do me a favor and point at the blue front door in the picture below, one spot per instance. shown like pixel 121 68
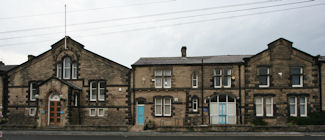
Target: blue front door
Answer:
pixel 140 114
pixel 222 113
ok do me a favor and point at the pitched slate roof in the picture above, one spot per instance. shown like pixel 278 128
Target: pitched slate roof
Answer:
pixel 190 60
pixel 63 81
pixel 7 67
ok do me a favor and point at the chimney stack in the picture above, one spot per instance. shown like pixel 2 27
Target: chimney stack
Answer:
pixel 1 63
pixel 30 57
pixel 183 50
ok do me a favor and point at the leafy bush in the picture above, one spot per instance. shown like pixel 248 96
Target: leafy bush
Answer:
pixel 259 121
pixel 315 118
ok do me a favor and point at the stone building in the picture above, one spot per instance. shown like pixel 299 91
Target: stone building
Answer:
pixel 272 85
pixel 65 86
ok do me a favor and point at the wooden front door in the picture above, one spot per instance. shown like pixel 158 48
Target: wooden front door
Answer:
pixel 55 112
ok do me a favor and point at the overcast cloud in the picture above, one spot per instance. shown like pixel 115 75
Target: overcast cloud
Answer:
pixel 125 41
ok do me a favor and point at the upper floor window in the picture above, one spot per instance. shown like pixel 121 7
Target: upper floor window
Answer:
pixel 74 71
pixel 59 71
pixel 222 78
pixel 97 90
pixel 294 105
pixel 163 106
pixel 264 104
pixel 297 76
pixel 67 69
pixel 194 80
pixel 32 91
pixel 163 75
pixel 264 76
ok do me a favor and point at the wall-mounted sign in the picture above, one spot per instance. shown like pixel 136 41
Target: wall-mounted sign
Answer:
pixel 43 112
pixel 61 111
pixel 205 109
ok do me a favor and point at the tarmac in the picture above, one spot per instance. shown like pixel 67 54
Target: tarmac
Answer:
pixel 109 133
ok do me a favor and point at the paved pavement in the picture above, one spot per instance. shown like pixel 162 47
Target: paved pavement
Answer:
pixel 69 137
pixel 127 134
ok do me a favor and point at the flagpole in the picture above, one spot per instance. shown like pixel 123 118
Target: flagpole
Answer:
pixel 65 26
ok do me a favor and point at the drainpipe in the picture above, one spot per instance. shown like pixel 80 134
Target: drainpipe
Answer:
pixel 240 97
pixel 133 116
pixel 202 92
pixel 320 85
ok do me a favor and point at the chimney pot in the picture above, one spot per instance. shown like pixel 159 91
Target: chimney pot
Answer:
pixel 30 57
pixel 183 50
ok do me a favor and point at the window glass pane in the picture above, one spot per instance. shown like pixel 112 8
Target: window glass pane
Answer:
pixel 67 67
pixel 158 73
pixel 158 108
pixel 158 82
pixel 268 106
pixel 93 89
pixel 217 72
pixel 102 84
pixel 167 82
pixel 292 100
pixel 59 71
pixel 295 80
pixel 258 109
pixel 102 94
pixel 296 70
pixel 167 72
pixel 302 100
pixel 217 81
pixel 263 71
pixel 167 110
pixel 92 112
pixel 263 80
pixel 222 98
pixel 100 112
pixel 258 100
pixel 74 70
pixel 292 109
pixel 226 81
pixel 227 72
pixel 231 99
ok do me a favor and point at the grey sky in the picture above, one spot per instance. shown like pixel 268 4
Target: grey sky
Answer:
pixel 240 35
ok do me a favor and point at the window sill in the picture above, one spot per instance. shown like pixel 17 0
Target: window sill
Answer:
pixel 297 86
pixel 263 86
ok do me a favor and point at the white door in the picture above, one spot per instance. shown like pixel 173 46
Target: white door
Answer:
pixel 231 113
pixel 213 112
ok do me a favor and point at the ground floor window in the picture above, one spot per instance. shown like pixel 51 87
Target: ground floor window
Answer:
pixel 298 104
pixel 163 106
pixel 96 112
pixel 264 106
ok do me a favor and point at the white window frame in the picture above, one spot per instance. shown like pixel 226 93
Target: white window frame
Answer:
pixel 195 78
pixel 158 77
pixel 92 115
pixel 301 78
pixel 271 104
pixel 262 106
pixel 161 106
pixel 305 105
pixel 195 104
pixel 59 70
pixel 228 76
pixel 100 115
pixel 215 78
pixel 32 111
pixel 68 67
pixel 293 115
pixel 268 78
pixel 74 71
pixel 31 91
pixel 91 91
pixel 170 107
pixel 98 92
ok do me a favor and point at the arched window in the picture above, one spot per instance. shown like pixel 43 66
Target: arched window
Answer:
pixel 67 68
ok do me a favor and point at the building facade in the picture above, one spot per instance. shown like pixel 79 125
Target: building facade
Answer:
pixel 273 85
pixel 70 86
pixel 67 85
